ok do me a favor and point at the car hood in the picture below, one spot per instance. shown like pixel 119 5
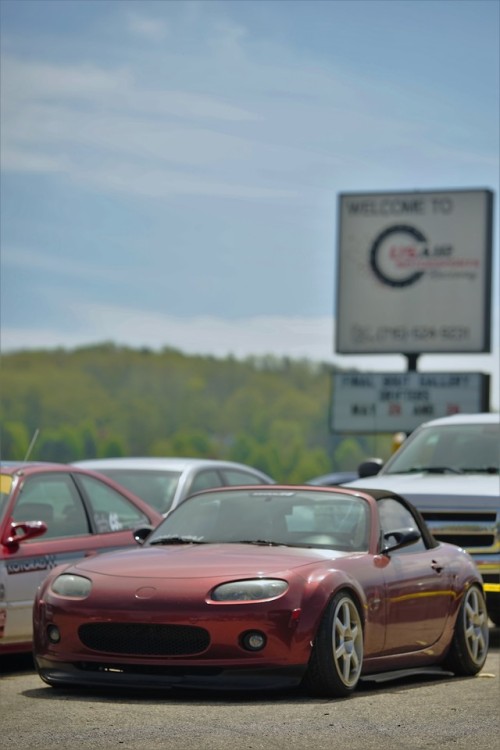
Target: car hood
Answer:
pixel 202 561
pixel 437 488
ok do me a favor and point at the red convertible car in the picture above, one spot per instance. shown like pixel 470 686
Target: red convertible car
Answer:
pixel 267 586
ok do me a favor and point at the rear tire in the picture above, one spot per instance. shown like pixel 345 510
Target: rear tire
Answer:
pixel 337 656
pixel 469 647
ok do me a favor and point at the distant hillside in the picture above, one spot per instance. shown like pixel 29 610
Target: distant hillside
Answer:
pixel 107 400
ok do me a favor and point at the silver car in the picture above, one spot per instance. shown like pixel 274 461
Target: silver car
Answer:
pixel 449 469
pixel 164 482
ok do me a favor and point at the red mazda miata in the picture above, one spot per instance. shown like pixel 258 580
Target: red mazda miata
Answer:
pixel 266 586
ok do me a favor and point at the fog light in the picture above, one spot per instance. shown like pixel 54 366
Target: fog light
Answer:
pixel 53 634
pixel 253 640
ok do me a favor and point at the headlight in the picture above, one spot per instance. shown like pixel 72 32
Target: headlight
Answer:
pixel 245 591
pixel 77 587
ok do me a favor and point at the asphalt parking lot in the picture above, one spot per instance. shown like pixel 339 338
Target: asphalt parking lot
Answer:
pixel 414 714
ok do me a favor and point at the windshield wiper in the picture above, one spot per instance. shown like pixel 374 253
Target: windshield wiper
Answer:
pixel 431 470
pixel 481 470
pixel 197 540
pixel 261 542
pixel 177 540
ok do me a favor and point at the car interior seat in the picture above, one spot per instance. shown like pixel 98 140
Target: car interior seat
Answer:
pixel 34 512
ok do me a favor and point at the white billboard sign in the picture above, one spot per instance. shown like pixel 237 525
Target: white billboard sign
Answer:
pixel 399 402
pixel 414 272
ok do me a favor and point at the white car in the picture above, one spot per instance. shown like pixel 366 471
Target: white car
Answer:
pixel 164 482
pixel 449 469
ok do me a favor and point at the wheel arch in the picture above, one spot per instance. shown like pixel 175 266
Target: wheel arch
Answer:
pixel 327 589
pixel 336 658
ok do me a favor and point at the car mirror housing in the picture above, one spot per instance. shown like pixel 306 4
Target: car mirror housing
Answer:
pixel 370 467
pixel 401 538
pixel 141 534
pixel 20 531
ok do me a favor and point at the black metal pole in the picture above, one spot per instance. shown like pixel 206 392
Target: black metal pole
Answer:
pixel 412 358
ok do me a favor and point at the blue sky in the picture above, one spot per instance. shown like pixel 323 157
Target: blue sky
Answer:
pixel 170 170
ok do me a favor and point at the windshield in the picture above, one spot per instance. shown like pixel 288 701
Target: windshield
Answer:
pixel 449 448
pixel 293 517
pixel 157 488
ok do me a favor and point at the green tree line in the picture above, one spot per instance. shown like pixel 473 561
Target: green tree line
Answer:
pixel 108 400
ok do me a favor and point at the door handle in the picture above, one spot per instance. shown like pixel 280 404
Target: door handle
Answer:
pixel 435 565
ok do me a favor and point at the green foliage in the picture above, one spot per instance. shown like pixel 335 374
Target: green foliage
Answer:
pixel 62 444
pixel 349 454
pixel 14 440
pixel 108 400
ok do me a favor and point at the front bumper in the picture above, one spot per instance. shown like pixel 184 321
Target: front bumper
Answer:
pixel 103 675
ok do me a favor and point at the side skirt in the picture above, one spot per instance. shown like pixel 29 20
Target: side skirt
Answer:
pixel 401 674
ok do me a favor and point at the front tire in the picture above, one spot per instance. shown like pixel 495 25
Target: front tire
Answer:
pixel 469 646
pixel 337 656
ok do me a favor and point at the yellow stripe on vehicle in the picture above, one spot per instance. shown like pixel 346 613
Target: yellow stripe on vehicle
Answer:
pixel 493 588
pixel 422 594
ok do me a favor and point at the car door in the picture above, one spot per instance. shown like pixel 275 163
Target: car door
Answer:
pixel 418 585
pixel 79 523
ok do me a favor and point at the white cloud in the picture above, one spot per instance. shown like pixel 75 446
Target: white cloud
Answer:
pixel 32 81
pixel 20 258
pixel 156 183
pixel 226 38
pixel 298 128
pixel 152 29
pixel 24 160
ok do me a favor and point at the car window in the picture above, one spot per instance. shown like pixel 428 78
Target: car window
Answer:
pixel 237 476
pixel 156 488
pixel 297 518
pixel 206 479
pixel 345 521
pixel 393 515
pixel 110 510
pixel 461 447
pixel 53 499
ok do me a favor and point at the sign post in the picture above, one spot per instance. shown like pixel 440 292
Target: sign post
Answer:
pixel 413 277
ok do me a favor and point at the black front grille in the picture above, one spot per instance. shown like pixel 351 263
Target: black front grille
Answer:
pixel 144 639
pixel 465 540
pixel 458 516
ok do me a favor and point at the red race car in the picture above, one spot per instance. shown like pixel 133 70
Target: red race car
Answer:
pixel 266 586
pixel 52 514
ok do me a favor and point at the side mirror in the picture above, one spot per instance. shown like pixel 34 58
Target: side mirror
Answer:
pixel 401 537
pixel 20 531
pixel 140 535
pixel 370 468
